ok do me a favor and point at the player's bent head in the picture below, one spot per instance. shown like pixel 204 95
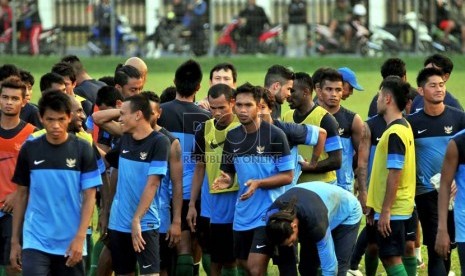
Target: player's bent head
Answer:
pixel 48 80
pixel 278 73
pixel 268 98
pixel 247 88
pixel 187 78
pixel 304 80
pixel 140 103
pixel 426 73
pixel 393 67
pixel 124 73
pixel 398 88
pixel 221 89
pixel 108 96
pixel 55 100
pixel 168 94
pixel 14 82
pixel 279 223
pixel 440 61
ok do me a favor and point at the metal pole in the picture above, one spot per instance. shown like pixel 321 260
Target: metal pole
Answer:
pixel 416 7
pixel 14 36
pixel 212 23
pixel 113 27
pixel 313 22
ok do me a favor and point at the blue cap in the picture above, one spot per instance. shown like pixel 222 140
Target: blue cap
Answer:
pixel 349 76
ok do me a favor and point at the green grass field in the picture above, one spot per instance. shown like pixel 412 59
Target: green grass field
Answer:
pixel 252 69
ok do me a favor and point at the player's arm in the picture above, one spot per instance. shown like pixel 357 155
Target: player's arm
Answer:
pixel 226 178
pixel 333 148
pixel 362 165
pixel 107 119
pixel 395 165
pixel 175 163
pixel 22 195
pixel 87 208
pixel 449 168
pixel 326 252
pixel 357 128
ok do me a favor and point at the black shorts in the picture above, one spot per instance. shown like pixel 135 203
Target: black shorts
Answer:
pixel 184 210
pixel 125 258
pixel 222 243
pixel 427 206
pixel 202 233
pixel 394 244
pixel 411 226
pixel 35 262
pixel 5 239
pixel 167 254
pixel 371 233
pixel 251 241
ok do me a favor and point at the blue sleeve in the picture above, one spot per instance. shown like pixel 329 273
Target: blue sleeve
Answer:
pixel 298 134
pixel 327 254
pixel 396 152
pixel 283 158
pixel 159 162
pixel 227 159
pixel 333 140
pixel 90 123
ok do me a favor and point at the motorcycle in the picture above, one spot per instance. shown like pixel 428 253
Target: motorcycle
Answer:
pixel 230 42
pixel 51 42
pixel 127 43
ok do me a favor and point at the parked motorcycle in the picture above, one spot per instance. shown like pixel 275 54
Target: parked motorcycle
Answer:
pixel 127 43
pixel 51 42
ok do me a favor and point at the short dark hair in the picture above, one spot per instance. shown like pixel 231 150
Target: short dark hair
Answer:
pixel 221 89
pixel 330 75
pixel 187 78
pixel 278 73
pixel 248 88
pixel 316 77
pixel 440 61
pixel 26 77
pixel 48 79
pixel 278 225
pixel 269 98
pixel 140 102
pixel 304 80
pixel 224 66
pixel 13 82
pixel 75 62
pixel 425 73
pixel 65 69
pixel 124 73
pixel 398 88
pixel 412 93
pixel 168 94
pixel 109 80
pixel 151 96
pixel 55 100
pixel 393 67
pixel 108 95
pixel 8 70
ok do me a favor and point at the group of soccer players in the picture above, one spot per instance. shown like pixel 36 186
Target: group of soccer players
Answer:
pixel 229 180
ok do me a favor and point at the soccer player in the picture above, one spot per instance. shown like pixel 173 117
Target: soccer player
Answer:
pixel 141 158
pixel 350 125
pixel 182 117
pixel 140 65
pixel 63 181
pixel 30 112
pixel 453 167
pixel 324 219
pixel 432 127
pixel 52 81
pixel 209 141
pixel 307 112
pixel 349 82
pixel 13 133
pixel 279 81
pixel 258 154
pixel 391 189
pixel 128 81
pixel 296 134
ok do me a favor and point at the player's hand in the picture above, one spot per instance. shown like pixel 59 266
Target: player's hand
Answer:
pixel 370 216
pixel 204 104
pixel 252 186
pixel 136 235
pixel 222 182
pixel 442 245
pixel 74 251
pixel 384 225
pixel 102 224
pixel 307 166
pixel 362 198
pixel 8 203
pixel 192 218
pixel 174 234
pixel 15 256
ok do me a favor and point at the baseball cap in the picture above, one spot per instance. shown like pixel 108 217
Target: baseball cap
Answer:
pixel 349 76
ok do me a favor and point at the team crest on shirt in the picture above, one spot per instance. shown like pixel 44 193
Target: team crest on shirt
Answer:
pixel 260 150
pixel 70 163
pixel 341 131
pixel 448 129
pixel 143 155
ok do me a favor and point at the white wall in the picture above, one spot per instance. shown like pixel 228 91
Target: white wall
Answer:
pixel 377 13
pixel 47 13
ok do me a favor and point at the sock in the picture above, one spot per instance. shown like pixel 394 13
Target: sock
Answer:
pixel 95 257
pixel 2 271
pixel 418 253
pixel 197 268
pixel 229 271
pixel 206 260
pixel 241 271
pixel 410 264
pixel 371 264
pixel 396 270
pixel 185 265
